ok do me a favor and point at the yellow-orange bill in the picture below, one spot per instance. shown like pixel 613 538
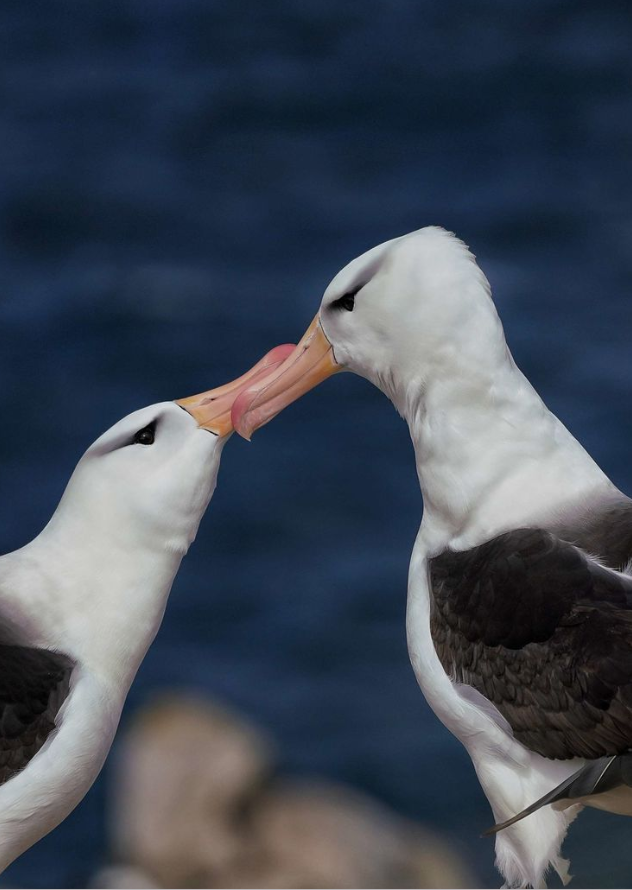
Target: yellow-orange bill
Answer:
pixel 311 362
pixel 212 409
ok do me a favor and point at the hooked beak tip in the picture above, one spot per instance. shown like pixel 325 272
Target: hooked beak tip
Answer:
pixel 213 409
pixel 311 362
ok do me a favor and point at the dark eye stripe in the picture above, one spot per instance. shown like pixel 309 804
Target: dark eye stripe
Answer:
pixel 147 435
pixel 347 301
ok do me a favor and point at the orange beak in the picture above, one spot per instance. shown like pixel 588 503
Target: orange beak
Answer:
pixel 311 362
pixel 212 409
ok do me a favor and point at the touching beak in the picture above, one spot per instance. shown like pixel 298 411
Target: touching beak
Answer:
pixel 212 409
pixel 311 362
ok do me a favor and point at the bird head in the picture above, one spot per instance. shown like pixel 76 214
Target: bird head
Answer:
pixel 406 312
pixel 150 477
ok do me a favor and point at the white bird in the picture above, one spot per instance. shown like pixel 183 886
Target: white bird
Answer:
pixel 80 604
pixel 519 618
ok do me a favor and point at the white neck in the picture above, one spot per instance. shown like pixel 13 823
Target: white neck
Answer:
pixel 101 605
pixel 491 456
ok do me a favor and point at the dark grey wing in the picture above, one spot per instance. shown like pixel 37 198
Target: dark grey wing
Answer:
pixel 602 529
pixel 545 633
pixel 33 685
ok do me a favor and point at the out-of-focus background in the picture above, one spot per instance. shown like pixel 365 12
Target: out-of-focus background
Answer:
pixel 179 180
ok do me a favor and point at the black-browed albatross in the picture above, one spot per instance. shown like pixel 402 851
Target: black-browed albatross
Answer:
pixel 519 617
pixel 80 604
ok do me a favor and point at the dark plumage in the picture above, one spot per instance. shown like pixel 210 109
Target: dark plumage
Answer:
pixel 605 533
pixel 33 685
pixel 545 633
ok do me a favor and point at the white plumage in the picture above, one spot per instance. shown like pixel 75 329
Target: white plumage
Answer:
pixel 508 494
pixel 80 604
pixel 93 586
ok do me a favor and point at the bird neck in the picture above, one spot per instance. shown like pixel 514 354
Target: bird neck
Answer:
pixel 491 456
pixel 96 603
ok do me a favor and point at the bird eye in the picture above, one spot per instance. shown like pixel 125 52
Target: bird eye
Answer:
pixel 346 301
pixel 146 435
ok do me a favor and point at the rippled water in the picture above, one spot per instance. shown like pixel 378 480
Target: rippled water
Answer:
pixel 179 181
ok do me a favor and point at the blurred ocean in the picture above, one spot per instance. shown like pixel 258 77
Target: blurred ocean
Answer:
pixel 179 181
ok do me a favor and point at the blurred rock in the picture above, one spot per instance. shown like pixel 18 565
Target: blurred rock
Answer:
pixel 186 770
pixel 329 836
pixel 122 877
pixel 195 806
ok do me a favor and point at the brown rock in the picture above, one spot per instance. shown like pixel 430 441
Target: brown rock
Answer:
pixel 185 770
pixel 328 836
pixel 194 807
pixel 122 877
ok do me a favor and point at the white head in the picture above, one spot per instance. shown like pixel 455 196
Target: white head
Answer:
pixel 94 583
pixel 149 478
pixel 415 317
pixel 145 482
pixel 406 313
pixel 420 309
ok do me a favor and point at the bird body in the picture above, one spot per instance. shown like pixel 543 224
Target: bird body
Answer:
pixel 519 618
pixel 81 604
pixel 84 600
pixel 490 458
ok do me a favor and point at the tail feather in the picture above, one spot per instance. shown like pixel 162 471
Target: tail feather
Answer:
pixel 595 777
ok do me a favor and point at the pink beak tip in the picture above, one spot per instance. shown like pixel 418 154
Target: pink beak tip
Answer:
pixel 280 353
pixel 240 408
pixel 238 413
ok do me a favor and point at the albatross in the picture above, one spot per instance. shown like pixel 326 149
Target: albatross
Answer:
pixel 81 603
pixel 519 615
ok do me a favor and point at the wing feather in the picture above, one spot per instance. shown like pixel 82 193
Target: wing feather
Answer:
pixel 544 632
pixel 33 685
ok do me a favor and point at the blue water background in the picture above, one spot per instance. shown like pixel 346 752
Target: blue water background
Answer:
pixel 179 180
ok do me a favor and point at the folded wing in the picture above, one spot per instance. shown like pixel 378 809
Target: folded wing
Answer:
pixel 33 685
pixel 544 632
